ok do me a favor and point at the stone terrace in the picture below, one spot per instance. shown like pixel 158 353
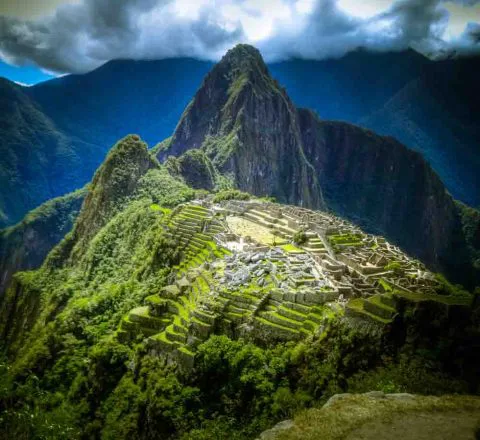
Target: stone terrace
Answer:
pixel 242 274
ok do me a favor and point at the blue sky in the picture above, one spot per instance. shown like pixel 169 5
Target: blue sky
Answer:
pixel 76 36
pixel 25 75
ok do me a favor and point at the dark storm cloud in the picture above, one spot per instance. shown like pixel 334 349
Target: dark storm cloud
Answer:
pixel 79 37
pixel 407 23
pixel 82 36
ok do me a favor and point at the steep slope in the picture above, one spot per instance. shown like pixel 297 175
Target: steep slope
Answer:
pixel 25 245
pixel 248 126
pixel 350 87
pixel 437 115
pixel 121 97
pixel 388 188
pixel 38 162
pixel 103 347
pixel 114 182
pixel 77 117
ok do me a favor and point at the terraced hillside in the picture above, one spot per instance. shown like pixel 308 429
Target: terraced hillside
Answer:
pixel 169 311
pixel 273 273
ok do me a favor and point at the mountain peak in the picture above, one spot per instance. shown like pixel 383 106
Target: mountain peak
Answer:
pixel 243 57
pixel 114 182
pixel 247 126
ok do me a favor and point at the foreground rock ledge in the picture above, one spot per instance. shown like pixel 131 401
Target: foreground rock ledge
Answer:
pixel 379 416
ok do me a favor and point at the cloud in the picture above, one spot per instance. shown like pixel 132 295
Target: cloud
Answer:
pixel 83 35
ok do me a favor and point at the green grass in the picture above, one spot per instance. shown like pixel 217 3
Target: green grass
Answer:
pixel 275 325
pixel 344 416
pixel 386 286
pixel 291 248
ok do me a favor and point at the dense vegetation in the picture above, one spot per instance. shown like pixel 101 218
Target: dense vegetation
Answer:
pixel 66 375
pixel 38 162
pixel 26 244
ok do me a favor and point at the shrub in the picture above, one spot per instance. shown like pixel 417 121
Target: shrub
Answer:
pixel 231 194
pixel 300 237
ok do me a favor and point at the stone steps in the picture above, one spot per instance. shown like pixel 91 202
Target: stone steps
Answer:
pixel 235 309
pixel 258 220
pixel 356 308
pixel 277 329
pixel 297 307
pixel 236 317
pixel 310 325
pixel 291 314
pixel 278 319
pixel 199 328
pixel 203 316
pixel 265 216
pixel 315 243
pixel 173 336
pixel 142 317
pixel 375 306
pixel 315 318
pixel 160 343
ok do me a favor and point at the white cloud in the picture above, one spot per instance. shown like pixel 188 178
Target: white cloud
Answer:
pixel 85 34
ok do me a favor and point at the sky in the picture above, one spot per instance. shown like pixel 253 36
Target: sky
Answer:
pixel 40 39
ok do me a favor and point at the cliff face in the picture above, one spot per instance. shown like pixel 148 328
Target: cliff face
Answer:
pixel 388 188
pixel 248 126
pixel 25 245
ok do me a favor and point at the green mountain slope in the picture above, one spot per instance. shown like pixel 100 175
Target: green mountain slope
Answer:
pixel 25 245
pixel 143 324
pixel 248 127
pixel 435 110
pixel 38 161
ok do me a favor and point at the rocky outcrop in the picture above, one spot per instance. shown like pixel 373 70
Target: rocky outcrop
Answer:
pixel 195 168
pixel 25 245
pixel 248 126
pixel 115 181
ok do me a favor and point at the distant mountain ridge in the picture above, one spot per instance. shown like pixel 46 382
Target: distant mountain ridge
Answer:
pixel 90 112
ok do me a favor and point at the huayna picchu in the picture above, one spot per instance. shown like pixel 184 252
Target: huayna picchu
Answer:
pixel 250 267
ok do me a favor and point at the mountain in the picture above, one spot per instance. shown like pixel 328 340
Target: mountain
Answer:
pixel 427 105
pixel 436 115
pixel 389 189
pixel 38 161
pixel 170 312
pixel 394 94
pixel 248 127
pixel 246 124
pixel 351 87
pixel 54 135
pixel 25 245
pixel 119 98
